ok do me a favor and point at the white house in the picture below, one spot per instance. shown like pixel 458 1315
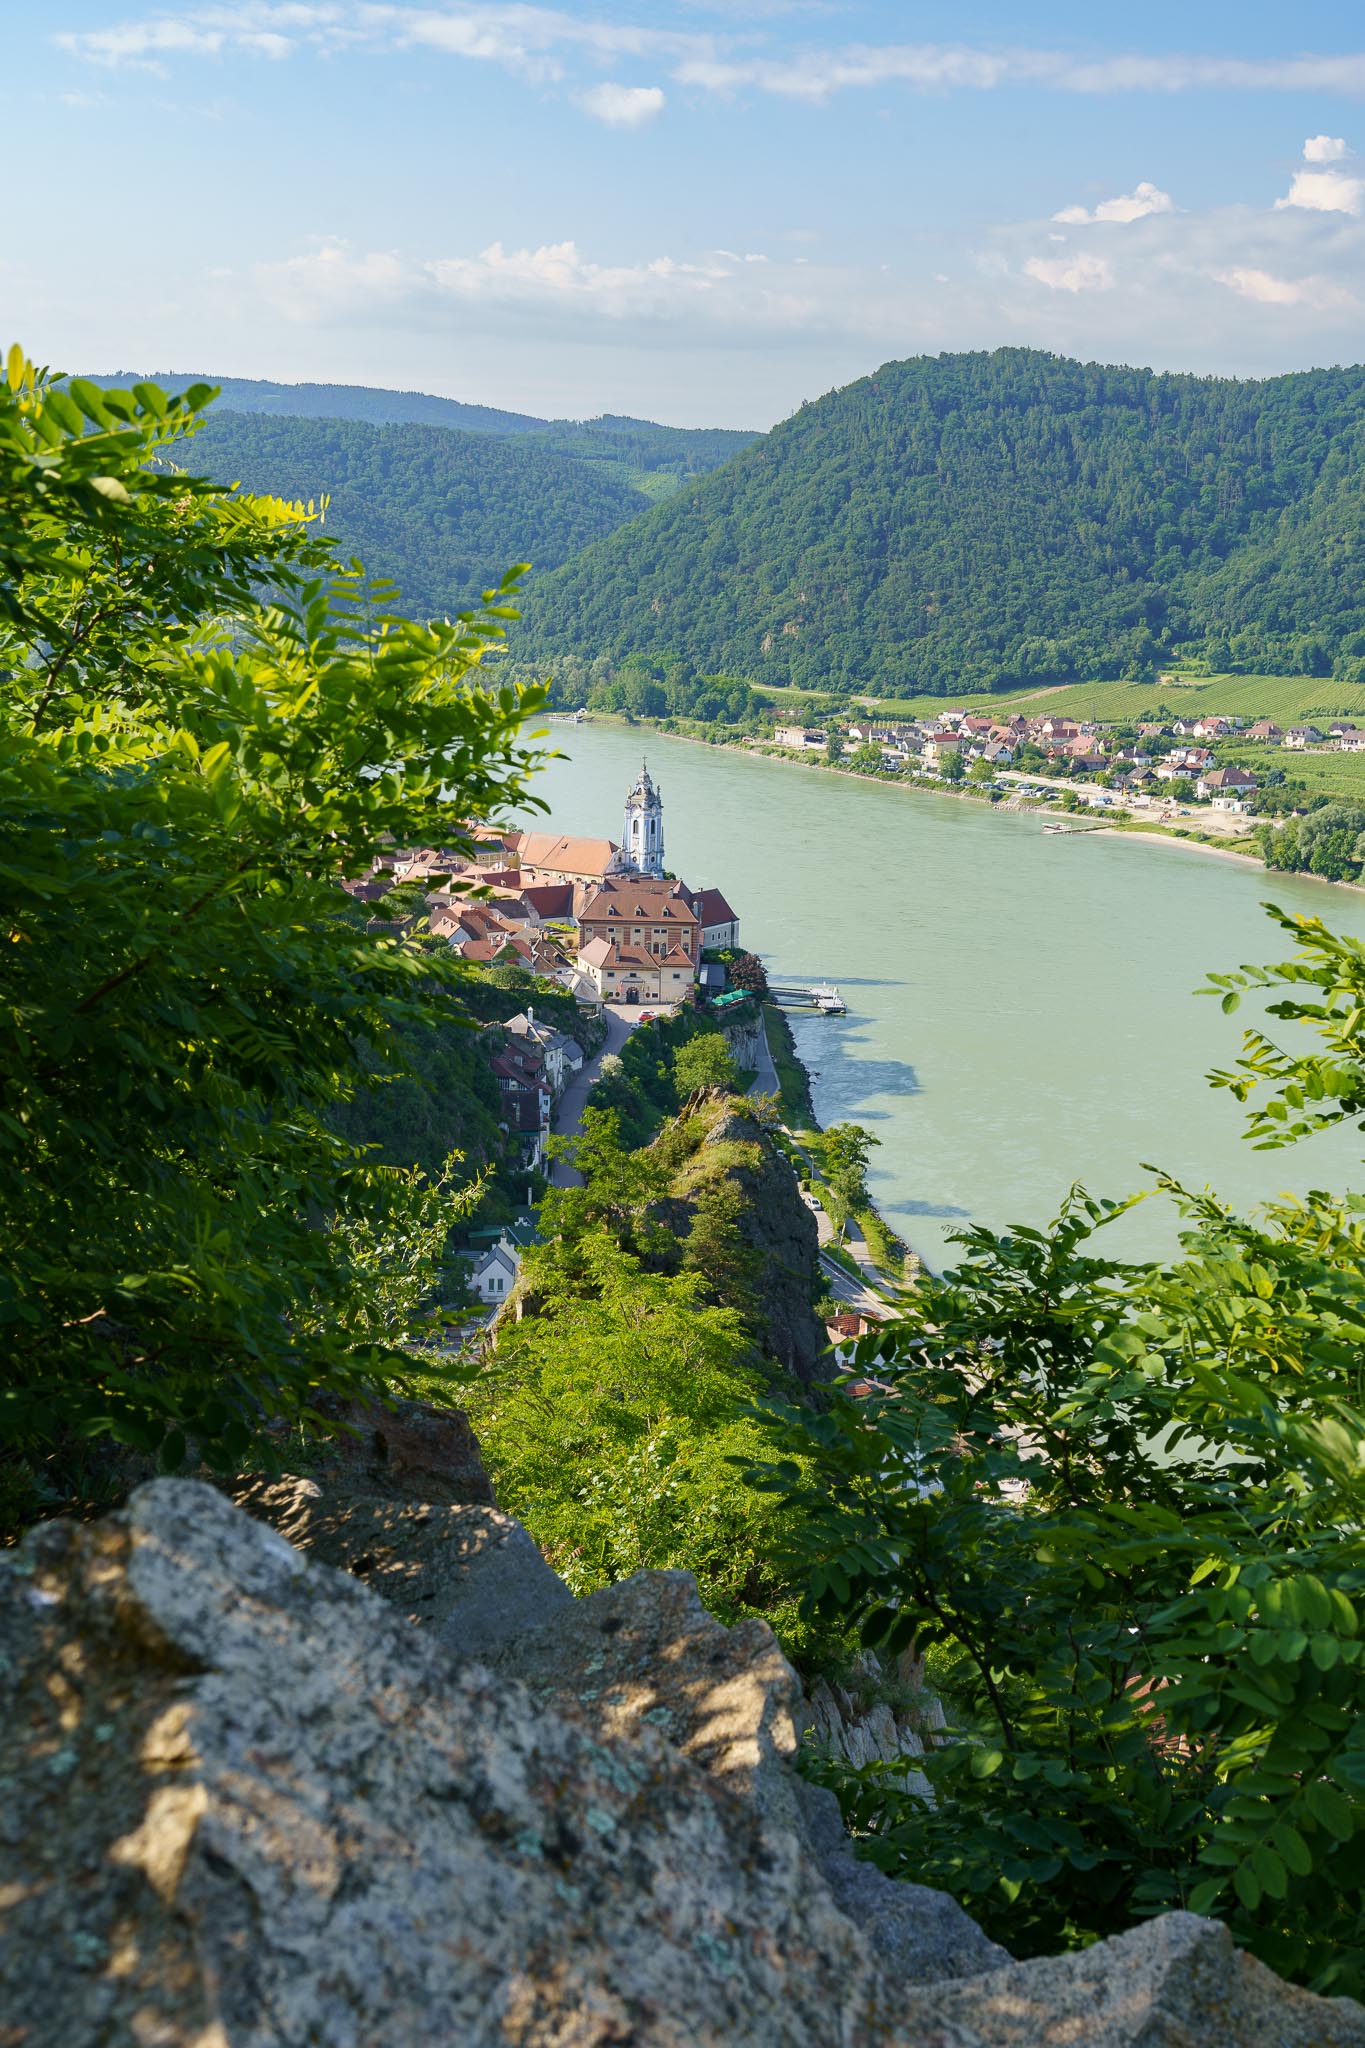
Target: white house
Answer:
pixel 494 1275
pixel 563 1055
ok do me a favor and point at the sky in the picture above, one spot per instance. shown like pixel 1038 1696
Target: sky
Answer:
pixel 698 213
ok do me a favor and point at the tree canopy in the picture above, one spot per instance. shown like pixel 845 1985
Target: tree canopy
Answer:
pixel 966 520
pixel 206 725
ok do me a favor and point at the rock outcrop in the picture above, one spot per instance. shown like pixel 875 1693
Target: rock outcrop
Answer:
pixel 247 1804
pixel 772 1223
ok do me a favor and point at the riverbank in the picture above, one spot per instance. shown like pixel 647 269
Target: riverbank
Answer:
pixel 1135 828
pixel 889 1259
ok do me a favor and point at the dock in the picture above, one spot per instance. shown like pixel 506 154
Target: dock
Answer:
pixel 822 996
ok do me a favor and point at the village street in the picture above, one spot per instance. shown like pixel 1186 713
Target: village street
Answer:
pixel 620 1022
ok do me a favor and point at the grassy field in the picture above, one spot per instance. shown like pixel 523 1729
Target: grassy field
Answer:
pixel 1289 700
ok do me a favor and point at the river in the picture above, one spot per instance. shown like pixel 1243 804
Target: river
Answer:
pixel 1021 1009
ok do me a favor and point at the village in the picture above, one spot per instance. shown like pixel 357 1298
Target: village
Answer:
pixel 1152 766
pixel 602 921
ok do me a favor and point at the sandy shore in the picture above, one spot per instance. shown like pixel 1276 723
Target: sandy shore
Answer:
pixel 1247 860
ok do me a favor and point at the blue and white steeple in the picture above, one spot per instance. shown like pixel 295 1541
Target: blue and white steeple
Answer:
pixel 644 841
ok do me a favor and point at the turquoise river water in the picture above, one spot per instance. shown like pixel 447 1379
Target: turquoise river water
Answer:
pixel 1020 1005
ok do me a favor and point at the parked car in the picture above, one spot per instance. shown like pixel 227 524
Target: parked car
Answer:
pixel 645 1017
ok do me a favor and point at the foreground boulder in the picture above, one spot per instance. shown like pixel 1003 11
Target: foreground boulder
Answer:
pixel 247 1804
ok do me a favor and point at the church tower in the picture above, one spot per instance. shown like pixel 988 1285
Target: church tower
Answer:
pixel 643 845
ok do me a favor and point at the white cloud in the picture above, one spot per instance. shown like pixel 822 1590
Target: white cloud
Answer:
pixel 536 40
pixel 1267 290
pixel 1324 192
pixel 942 67
pixel 1145 198
pixel 622 106
pixel 335 281
pixel 1082 273
pixel 258 28
pixel 1324 149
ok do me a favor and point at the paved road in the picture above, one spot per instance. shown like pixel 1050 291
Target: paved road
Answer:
pixel 569 1109
pixel 765 1081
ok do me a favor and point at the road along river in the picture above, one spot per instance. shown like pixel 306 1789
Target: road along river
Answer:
pixel 1021 1007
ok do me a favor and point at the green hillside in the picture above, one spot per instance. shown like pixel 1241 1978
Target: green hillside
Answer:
pixel 974 521
pixel 339 402
pixel 440 513
pixel 641 454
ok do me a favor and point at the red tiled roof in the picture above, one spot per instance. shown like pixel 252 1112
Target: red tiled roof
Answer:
pixel 712 908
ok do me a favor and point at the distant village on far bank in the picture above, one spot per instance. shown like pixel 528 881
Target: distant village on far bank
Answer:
pixel 1140 765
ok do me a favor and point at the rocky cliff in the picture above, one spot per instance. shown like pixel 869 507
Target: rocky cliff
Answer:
pixel 729 1148
pixel 252 1800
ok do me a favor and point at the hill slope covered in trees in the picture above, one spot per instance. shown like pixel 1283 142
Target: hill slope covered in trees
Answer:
pixel 441 513
pixel 974 519
pixel 648 457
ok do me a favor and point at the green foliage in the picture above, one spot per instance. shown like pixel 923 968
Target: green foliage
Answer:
pixel 704 1062
pixel 1329 841
pixel 192 1249
pixel 641 1089
pixel 793 1082
pixel 613 1414
pixel 438 512
pixel 952 767
pixel 660 687
pixel 1125 1501
pixel 846 1150
pixel 972 521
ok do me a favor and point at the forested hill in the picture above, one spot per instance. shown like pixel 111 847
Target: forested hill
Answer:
pixel 440 513
pixel 648 457
pixel 341 402
pixel 980 518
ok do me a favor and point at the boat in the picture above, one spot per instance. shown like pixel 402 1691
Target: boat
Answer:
pixel 829 1001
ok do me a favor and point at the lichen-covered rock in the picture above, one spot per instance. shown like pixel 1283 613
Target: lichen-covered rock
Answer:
pixel 472 1575
pixel 646 1654
pixel 1176 1982
pixel 248 1805
pixel 920 1936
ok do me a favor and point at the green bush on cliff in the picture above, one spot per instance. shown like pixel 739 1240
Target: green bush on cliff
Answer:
pixel 1127 1501
pixel 205 726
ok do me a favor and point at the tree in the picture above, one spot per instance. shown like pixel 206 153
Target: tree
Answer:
pixel 510 974
pixel 1158 1682
pixel 834 748
pixel 746 971
pixel 1182 790
pixel 980 770
pixel 196 695
pixel 952 767
pixel 704 1062
pixel 847 1151
pixel 866 759
pixel 612 1422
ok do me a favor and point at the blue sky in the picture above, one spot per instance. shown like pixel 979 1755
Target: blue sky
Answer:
pixel 697 213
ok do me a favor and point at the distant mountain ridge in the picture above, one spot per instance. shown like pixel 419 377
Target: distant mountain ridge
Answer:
pixel 440 513
pixel 968 520
pixel 376 406
pixel 437 495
